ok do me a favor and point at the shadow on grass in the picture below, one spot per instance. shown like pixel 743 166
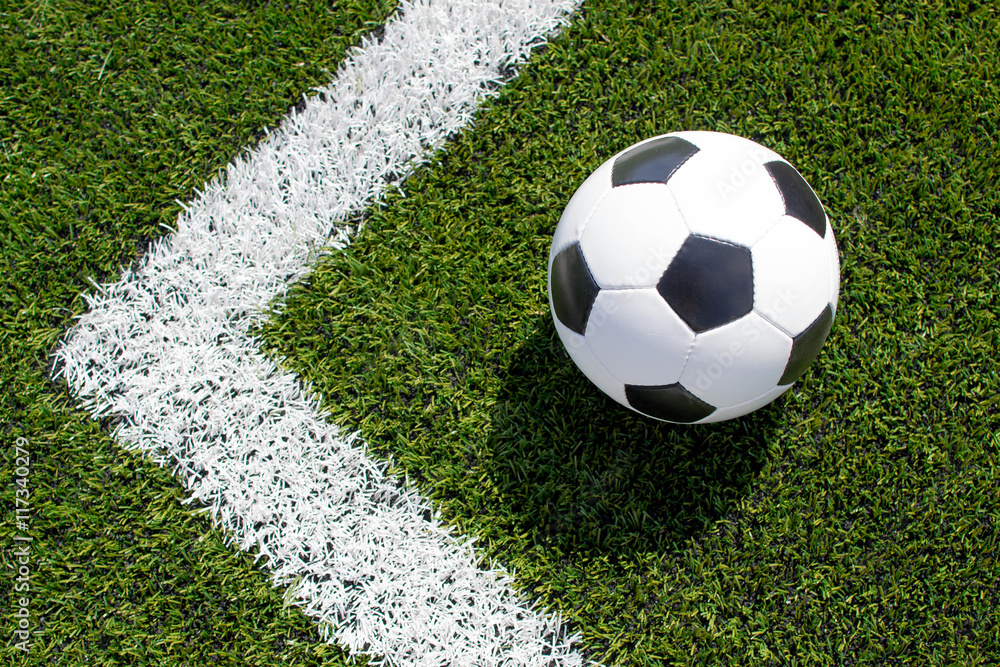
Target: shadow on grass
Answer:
pixel 587 475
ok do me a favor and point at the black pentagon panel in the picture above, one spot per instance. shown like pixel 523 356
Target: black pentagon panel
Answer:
pixel 806 346
pixel 573 288
pixel 709 282
pixel 800 200
pixel 670 402
pixel 652 162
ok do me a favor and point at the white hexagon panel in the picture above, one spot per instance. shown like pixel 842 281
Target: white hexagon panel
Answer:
pixel 791 275
pixel 632 235
pixel 725 191
pixel 736 362
pixel 659 338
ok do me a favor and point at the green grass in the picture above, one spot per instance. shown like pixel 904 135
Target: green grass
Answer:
pixel 109 112
pixel 853 522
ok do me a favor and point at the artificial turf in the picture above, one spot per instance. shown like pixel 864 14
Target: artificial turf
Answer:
pixel 109 113
pixel 855 521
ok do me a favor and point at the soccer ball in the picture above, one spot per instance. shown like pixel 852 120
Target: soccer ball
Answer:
pixel 694 276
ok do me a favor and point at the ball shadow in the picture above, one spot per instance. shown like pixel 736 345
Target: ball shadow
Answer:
pixel 581 473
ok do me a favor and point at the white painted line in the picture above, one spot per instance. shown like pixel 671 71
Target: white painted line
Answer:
pixel 166 350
